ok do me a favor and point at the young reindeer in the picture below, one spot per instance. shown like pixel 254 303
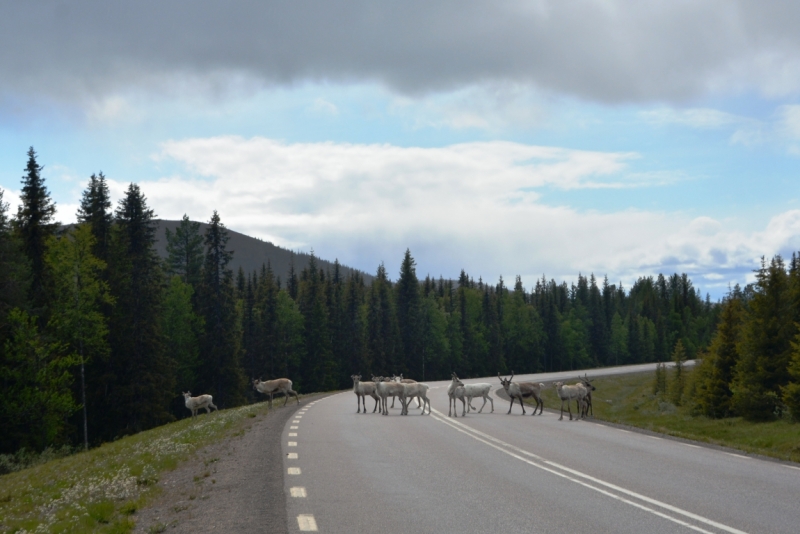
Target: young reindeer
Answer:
pixel 201 401
pixel 456 391
pixel 588 399
pixel 279 385
pixel 567 394
pixel 481 390
pixel 362 389
pixel 523 390
pixel 386 389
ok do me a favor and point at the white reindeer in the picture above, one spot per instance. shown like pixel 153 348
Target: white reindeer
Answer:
pixel 362 389
pixel 279 385
pixel 195 403
pixel 481 389
pixel 523 390
pixel 417 391
pixel 386 389
pixel 400 380
pixel 567 394
pixel 456 391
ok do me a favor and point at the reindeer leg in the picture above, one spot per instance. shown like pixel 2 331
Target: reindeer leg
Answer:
pixel 562 410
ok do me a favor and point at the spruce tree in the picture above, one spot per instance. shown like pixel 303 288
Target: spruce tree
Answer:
pixel 95 210
pixel 383 343
pixel 319 368
pixel 185 252
pixel 409 320
pixel 220 355
pixel 14 270
pixel 34 225
pixel 136 389
pixel 765 347
pixel 182 329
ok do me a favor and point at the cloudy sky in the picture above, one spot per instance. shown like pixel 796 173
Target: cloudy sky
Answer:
pixel 610 137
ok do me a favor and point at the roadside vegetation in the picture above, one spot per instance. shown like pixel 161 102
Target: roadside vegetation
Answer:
pixel 633 400
pixel 100 490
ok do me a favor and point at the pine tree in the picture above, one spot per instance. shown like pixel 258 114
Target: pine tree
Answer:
pixel 354 326
pixel 220 356
pixel 185 252
pixel 35 225
pixel 136 388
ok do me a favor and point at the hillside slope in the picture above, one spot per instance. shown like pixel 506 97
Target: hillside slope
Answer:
pixel 251 253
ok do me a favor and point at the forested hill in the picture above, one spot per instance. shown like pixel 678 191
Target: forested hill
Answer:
pixel 251 253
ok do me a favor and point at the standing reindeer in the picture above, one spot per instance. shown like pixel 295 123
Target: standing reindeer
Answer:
pixel 588 399
pixel 201 401
pixel 523 390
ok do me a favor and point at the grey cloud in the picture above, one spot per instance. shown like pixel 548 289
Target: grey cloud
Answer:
pixel 605 51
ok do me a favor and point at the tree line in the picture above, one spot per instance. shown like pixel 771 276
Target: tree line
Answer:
pixel 99 336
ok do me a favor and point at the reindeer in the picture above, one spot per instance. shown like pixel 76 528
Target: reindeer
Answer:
pixel 523 390
pixel 386 389
pixel 201 401
pixel 362 389
pixel 567 394
pixel 589 388
pixel 455 391
pixel 280 385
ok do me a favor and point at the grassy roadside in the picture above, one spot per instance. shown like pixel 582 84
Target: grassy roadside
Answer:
pixel 98 490
pixel 629 400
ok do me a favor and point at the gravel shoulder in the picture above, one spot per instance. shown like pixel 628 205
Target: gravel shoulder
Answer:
pixel 235 485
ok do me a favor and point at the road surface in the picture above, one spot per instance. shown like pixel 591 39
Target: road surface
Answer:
pixel 499 473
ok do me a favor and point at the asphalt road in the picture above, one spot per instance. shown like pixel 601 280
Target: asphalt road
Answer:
pixel 499 473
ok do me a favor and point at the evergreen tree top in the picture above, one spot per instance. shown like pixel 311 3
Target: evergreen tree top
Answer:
pixel 37 208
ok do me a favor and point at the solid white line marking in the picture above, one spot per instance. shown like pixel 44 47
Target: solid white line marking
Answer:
pixel 737 455
pixel 298 491
pixel 293 428
pixel 792 467
pixel 626 431
pixel 653 437
pixel 693 446
pixel 292 456
pixel 293 471
pixel 292 444
pixel 306 522
pixel 487 439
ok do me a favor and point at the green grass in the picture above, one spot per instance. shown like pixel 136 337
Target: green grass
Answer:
pixel 629 400
pixel 99 490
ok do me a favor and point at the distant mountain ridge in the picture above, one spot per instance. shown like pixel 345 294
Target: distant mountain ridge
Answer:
pixel 251 253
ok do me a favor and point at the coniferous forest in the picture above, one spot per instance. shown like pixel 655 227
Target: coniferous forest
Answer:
pixel 99 335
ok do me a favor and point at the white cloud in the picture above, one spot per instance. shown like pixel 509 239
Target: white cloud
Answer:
pixel 702 118
pixel 474 206
pixel 323 107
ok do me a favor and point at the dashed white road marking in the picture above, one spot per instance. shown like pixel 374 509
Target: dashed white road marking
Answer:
pixel 296 421
pixel 292 444
pixel 298 416
pixel 298 491
pixel 292 434
pixel 584 479
pixel 292 456
pixel 293 471
pixel 293 428
pixel 306 522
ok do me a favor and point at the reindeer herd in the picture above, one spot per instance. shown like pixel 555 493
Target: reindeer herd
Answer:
pixel 381 388
pixel 406 389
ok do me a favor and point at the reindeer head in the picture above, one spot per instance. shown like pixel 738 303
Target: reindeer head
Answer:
pixel 256 382
pixel 587 383
pixel 187 394
pixel 506 383
pixel 356 378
